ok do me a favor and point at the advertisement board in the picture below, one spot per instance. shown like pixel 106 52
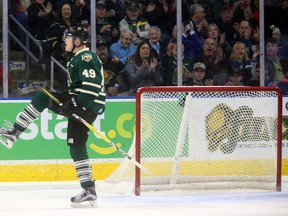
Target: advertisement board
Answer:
pixel 41 153
pixel 45 138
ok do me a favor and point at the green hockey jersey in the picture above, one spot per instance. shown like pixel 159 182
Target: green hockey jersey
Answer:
pixel 86 80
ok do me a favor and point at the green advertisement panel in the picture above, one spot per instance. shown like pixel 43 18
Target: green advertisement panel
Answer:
pixel 45 138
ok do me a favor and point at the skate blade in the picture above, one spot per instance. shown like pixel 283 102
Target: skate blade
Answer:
pixel 86 204
pixel 7 143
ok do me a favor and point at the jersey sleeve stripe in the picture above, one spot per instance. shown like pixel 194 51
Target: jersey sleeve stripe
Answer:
pixel 91 84
pixel 102 94
pixel 99 102
pixel 86 92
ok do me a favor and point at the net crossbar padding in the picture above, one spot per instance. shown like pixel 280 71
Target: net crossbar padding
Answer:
pixel 207 137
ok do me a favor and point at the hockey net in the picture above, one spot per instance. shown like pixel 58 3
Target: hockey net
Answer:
pixel 206 138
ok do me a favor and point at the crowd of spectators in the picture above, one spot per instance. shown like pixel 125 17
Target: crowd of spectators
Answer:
pixel 137 39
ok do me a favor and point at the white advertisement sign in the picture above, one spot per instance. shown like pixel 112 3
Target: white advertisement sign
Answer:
pixel 226 134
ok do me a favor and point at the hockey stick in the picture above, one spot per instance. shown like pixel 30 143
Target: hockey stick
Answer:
pixel 41 89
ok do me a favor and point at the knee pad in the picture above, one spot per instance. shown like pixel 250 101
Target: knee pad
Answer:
pixel 78 152
pixel 40 101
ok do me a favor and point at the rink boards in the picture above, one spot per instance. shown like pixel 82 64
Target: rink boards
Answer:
pixel 42 154
pixel 62 170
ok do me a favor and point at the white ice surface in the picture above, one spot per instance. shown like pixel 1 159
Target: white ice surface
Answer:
pixel 52 199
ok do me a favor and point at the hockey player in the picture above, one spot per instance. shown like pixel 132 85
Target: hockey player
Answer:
pixel 85 97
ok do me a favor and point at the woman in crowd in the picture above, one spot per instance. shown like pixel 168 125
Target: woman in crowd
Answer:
pixel 214 32
pixel 56 30
pixel 143 68
pixel 240 61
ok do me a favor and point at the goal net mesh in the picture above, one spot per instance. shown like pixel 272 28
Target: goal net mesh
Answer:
pixel 206 140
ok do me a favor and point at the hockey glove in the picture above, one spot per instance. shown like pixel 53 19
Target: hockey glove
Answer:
pixel 70 106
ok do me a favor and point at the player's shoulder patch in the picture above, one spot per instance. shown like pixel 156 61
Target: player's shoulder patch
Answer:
pixel 86 57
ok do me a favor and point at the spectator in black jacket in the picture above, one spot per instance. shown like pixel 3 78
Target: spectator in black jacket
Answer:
pixel 39 19
pixel 212 57
pixel 226 23
pixel 113 80
pixel 56 30
pixel 155 15
pixel 105 26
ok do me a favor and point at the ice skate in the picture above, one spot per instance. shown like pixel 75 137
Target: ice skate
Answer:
pixel 86 199
pixel 8 134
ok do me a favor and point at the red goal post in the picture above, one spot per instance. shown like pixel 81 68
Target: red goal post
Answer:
pixel 197 136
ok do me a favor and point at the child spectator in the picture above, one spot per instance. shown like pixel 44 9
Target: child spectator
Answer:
pixel 255 79
pixel 276 13
pixel 276 33
pixel 235 78
pixel 198 76
pixel 282 44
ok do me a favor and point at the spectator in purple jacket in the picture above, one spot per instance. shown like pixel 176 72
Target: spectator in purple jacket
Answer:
pixel 191 39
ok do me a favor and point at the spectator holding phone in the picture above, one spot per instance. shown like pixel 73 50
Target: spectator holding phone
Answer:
pixel 191 39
